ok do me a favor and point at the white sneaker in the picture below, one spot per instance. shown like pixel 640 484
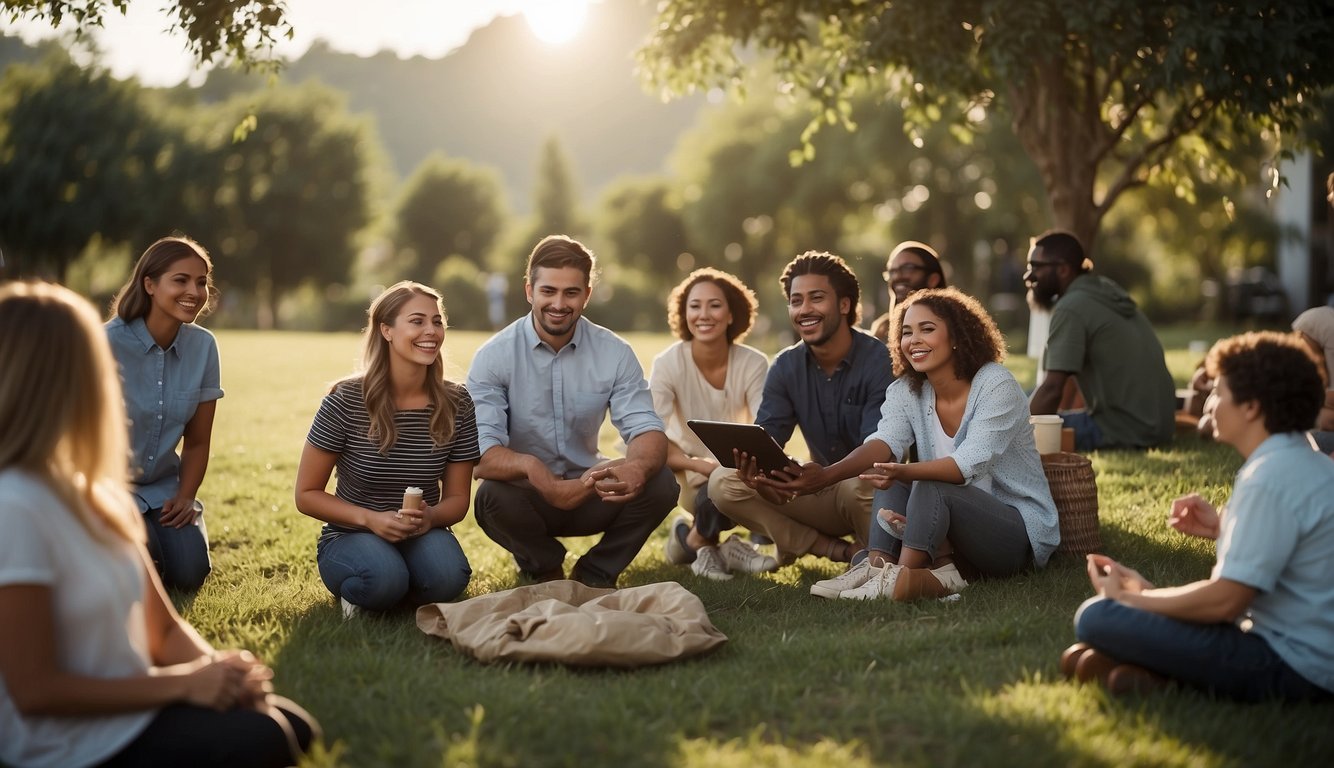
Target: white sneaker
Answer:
pixel 880 584
pixel 350 611
pixel 741 555
pixel 849 579
pixel 676 550
pixel 709 564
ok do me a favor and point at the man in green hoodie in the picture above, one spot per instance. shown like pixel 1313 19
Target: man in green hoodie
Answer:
pixel 1101 338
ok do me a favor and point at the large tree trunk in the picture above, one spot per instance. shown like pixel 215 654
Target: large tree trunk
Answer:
pixel 1059 129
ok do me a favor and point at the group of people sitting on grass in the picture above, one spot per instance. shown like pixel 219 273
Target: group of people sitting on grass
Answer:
pixel 924 474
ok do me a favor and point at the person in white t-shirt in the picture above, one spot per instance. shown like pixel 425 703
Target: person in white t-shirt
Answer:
pixel 709 374
pixel 104 671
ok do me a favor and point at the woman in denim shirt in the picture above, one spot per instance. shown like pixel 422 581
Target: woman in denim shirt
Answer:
pixel 977 495
pixel 170 373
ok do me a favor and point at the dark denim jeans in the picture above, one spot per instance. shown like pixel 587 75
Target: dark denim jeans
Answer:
pixel 1218 658
pixel 180 554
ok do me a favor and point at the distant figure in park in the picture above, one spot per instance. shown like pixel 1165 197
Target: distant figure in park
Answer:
pixel 912 267
pixel 396 424
pixel 543 386
pixel 831 384
pixel 96 666
pixel 170 374
pixel 709 374
pixel 977 496
pixel 1262 625
pixel 1316 327
pixel 1099 337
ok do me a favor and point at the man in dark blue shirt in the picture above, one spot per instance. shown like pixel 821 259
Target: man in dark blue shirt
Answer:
pixel 831 384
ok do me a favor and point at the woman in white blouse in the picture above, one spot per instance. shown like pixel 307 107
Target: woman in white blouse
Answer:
pixel 709 374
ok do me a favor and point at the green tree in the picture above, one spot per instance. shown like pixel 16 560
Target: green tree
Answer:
pixel 81 156
pixel 240 30
pixel 555 198
pixel 1103 94
pixel 641 224
pixel 293 195
pixel 555 212
pixel 448 208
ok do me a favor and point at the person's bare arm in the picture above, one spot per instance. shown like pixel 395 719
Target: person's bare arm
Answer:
pixel 1046 398
pixel 178 511
pixel 644 456
pixel 313 500
pixel 39 686
pixel 510 466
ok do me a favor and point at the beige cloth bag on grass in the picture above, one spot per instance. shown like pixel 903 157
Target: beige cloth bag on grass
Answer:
pixel 569 623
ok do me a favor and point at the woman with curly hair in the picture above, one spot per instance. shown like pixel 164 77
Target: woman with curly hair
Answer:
pixel 708 374
pixel 396 425
pixel 977 496
pixel 1262 625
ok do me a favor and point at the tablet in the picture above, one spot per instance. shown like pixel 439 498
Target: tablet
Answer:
pixel 723 436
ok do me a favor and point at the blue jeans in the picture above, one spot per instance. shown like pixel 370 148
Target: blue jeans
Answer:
pixel 375 574
pixel 180 554
pixel 1088 436
pixel 1218 658
pixel 986 533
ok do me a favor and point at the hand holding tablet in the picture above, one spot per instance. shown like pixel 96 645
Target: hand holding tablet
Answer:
pixel 724 437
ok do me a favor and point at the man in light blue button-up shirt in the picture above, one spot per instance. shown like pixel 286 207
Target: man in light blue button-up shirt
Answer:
pixel 542 387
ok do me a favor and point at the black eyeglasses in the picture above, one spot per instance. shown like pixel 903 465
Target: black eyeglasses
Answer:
pixel 903 270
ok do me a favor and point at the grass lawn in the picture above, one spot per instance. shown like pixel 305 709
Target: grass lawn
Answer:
pixel 802 682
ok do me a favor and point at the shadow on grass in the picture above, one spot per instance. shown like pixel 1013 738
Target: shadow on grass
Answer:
pixel 802 682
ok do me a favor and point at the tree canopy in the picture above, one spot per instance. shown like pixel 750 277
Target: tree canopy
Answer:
pixel 240 30
pixel 1103 94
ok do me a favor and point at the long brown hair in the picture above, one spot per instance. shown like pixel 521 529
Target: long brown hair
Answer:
pixel 374 376
pixel 132 300
pixel 62 409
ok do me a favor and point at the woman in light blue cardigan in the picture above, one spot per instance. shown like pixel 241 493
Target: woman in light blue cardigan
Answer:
pixel 977 494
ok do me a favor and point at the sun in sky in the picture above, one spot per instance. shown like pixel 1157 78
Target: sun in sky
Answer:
pixel 555 21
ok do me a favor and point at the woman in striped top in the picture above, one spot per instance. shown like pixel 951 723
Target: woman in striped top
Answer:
pixel 397 424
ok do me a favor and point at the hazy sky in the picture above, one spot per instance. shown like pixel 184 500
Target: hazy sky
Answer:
pixel 137 44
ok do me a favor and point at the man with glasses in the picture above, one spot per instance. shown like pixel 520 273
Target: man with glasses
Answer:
pixel 1099 337
pixel 912 266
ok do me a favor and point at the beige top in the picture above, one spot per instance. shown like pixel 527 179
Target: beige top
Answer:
pixel 680 392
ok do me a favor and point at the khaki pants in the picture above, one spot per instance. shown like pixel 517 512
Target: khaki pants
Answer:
pixel 836 511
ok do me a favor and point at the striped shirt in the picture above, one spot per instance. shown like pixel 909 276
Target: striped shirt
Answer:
pixel 375 481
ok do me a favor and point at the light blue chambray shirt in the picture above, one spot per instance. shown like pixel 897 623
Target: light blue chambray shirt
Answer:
pixel 994 440
pixel 1277 536
pixel 550 404
pixel 162 390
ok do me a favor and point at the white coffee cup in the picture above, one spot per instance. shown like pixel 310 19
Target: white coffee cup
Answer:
pixel 1047 432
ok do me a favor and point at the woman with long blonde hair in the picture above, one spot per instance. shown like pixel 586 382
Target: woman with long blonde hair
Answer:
pixel 170 376
pixel 397 424
pixel 103 670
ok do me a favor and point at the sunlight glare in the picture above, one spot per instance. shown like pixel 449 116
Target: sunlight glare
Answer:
pixel 555 21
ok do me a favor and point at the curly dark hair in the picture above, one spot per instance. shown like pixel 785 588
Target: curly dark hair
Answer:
pixel 840 275
pixel 1278 371
pixel 976 340
pixel 740 300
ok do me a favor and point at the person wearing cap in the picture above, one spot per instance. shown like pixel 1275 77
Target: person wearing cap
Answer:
pixel 911 267
pixel 1101 338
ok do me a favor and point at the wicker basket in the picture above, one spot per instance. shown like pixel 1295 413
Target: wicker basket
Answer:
pixel 1075 492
